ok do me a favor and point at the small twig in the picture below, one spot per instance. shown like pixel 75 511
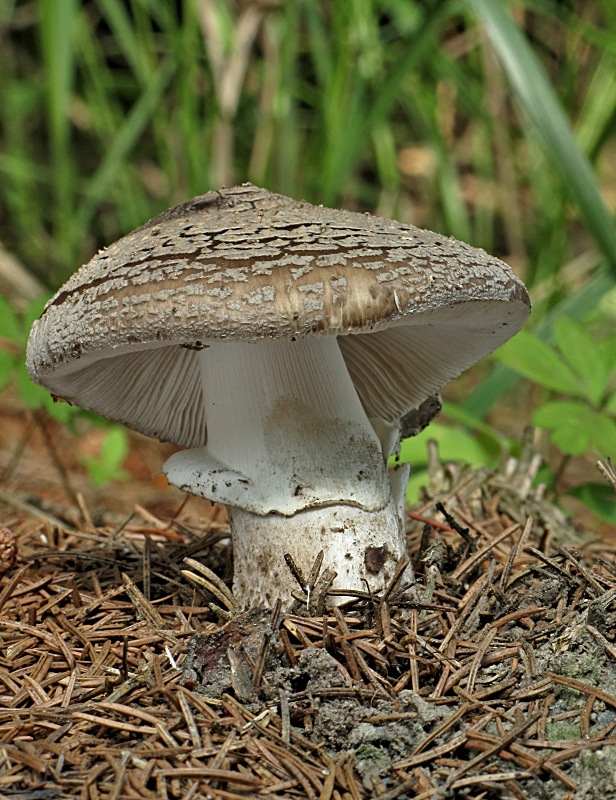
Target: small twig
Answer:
pixel 43 423
pixel 285 717
pixel 585 688
pixel 609 647
pixel 478 555
pixel 146 567
pixel 22 505
pixel 606 468
pixel 586 573
pixel 142 604
pixel 295 571
pixel 211 582
pixel 265 645
pixel 552 563
pixel 18 449
pixel 401 566
pixel 502 744
pixel 321 590
pixel 463 532
pixel 316 568
pixel 518 547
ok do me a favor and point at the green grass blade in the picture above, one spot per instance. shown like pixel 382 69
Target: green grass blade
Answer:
pixel 599 109
pixel 57 20
pixel 117 15
pixel 549 122
pixel 120 147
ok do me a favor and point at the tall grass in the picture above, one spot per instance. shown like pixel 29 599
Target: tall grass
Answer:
pixel 480 120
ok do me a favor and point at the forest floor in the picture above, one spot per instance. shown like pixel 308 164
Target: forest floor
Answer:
pixel 125 673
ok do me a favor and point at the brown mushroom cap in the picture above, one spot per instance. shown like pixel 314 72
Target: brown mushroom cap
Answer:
pixel 412 308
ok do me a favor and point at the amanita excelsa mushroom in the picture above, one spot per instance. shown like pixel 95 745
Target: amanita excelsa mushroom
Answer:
pixel 282 344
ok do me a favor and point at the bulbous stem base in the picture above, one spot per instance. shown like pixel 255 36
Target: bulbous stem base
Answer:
pixel 362 547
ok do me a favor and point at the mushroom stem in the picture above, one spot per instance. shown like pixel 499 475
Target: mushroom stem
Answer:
pixel 292 454
pixel 361 547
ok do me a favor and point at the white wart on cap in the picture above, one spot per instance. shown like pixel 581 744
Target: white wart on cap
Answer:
pixel 263 334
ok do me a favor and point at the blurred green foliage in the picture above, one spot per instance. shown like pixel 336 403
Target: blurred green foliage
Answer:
pixel 489 121
pixel 579 373
pixel 111 110
pixel 576 379
pixel 14 330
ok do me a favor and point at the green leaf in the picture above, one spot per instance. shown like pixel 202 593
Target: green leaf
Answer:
pixel 608 348
pixel 35 396
pixel 596 115
pixel 610 407
pixel 537 361
pixel 584 356
pixel 576 427
pixel 604 434
pixel 571 440
pixel 108 465
pixel 115 446
pixel 562 412
pixel 9 323
pixel 454 444
pixel 34 311
pixel 599 498
pixel 491 441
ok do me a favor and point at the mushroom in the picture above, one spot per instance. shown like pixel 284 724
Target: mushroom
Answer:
pixel 284 346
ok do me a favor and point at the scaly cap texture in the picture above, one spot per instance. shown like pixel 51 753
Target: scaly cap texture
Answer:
pixel 412 308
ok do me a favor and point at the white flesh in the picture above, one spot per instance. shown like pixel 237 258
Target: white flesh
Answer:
pixel 292 454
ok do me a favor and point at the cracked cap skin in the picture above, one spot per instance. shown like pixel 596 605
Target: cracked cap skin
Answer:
pixel 245 264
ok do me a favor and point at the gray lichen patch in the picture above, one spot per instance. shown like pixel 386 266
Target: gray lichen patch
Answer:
pixel 594 774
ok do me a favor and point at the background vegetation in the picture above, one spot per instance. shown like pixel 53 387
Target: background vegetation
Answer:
pixel 489 121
